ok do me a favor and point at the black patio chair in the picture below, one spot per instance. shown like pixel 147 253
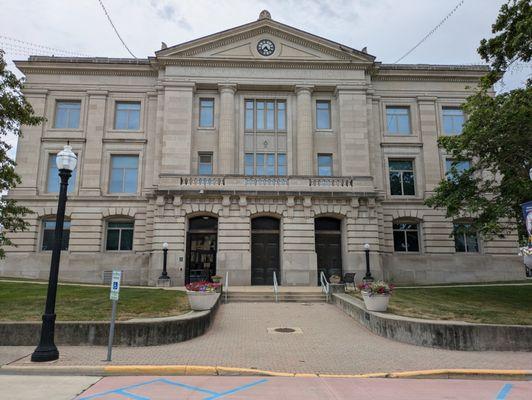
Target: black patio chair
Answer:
pixel 349 278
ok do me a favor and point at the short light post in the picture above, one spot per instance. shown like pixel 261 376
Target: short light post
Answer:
pixel 367 277
pixel 66 162
pixel 164 275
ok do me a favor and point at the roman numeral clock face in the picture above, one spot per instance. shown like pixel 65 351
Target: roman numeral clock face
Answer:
pixel 265 47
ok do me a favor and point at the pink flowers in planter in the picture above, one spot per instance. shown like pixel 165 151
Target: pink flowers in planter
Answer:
pixel 202 286
pixel 373 288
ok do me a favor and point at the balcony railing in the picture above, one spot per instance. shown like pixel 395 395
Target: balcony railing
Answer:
pixel 266 183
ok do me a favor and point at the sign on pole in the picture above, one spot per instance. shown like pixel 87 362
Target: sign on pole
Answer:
pixel 114 295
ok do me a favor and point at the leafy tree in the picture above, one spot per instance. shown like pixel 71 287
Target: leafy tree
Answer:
pixel 496 138
pixel 14 112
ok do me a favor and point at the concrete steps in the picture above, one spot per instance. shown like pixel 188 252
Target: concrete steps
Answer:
pixel 269 297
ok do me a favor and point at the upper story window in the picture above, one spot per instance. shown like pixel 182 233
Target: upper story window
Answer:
pixel 53 180
pixel 119 235
pixel 127 115
pixel 465 238
pixel 406 237
pixel 459 165
pixel 398 120
pixel 269 164
pixel 124 174
pixel 323 114
pixel 67 114
pixel 325 165
pixel 48 234
pixel 205 163
pixel 265 115
pixel 206 114
pixel 452 119
pixel 402 178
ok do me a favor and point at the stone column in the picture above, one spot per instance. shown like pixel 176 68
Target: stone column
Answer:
pixel 226 132
pixel 177 128
pixel 305 140
pixel 353 135
pixel 92 159
pixel 429 138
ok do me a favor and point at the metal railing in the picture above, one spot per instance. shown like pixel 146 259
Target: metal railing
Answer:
pixel 325 285
pixel 275 287
pixel 226 286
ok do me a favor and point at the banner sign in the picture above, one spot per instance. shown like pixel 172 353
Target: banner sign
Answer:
pixel 527 217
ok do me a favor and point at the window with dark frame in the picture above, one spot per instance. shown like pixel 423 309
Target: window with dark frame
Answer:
pixel 206 114
pixel 323 114
pixel 452 120
pixel 127 115
pixel 67 113
pixel 406 237
pixel 48 235
pixel 398 120
pixel 119 236
pixel 325 165
pixel 465 238
pixel 402 178
pixel 205 163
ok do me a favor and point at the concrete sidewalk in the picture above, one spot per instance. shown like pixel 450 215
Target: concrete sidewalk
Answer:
pixel 325 341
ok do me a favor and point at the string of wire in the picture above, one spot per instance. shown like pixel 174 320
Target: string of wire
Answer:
pixel 114 27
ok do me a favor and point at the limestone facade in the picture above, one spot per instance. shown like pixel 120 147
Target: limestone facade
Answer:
pixel 228 69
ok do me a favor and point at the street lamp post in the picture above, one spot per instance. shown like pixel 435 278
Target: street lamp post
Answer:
pixel 164 275
pixel 66 162
pixel 367 277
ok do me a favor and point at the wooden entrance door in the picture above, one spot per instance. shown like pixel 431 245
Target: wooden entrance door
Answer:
pixel 264 251
pixel 328 246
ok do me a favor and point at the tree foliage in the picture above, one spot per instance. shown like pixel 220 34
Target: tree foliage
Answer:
pixel 15 111
pixel 496 137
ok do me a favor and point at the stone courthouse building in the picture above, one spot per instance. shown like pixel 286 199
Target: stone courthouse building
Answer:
pixel 261 148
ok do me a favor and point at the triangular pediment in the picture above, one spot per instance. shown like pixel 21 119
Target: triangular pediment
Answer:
pixel 241 43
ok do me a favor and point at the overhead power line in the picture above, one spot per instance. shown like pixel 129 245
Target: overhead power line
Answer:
pixel 432 31
pixel 114 27
pixel 36 48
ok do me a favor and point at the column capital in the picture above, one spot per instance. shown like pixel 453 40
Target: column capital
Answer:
pixel 227 87
pixel 303 89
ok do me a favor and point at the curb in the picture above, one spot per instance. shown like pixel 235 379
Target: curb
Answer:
pixel 205 370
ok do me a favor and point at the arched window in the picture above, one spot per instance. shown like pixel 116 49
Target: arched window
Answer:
pixel 465 238
pixel 48 234
pixel 119 234
pixel 406 236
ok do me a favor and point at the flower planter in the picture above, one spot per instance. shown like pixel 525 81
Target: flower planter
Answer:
pixel 201 301
pixel 376 302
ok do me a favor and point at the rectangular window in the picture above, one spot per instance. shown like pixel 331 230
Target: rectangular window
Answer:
pixel 402 179
pixel 325 165
pixel 67 114
pixel 323 114
pixel 459 165
pixel 465 239
pixel 452 119
pixel 205 163
pixel 119 236
pixel 53 180
pixel 249 115
pixel 48 235
pixel 127 115
pixel 265 164
pixel 124 174
pixel 406 237
pixel 206 113
pixel 248 167
pixel 265 115
pixel 398 120
pixel 281 164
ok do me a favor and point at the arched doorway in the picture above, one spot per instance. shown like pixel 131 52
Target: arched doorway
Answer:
pixel 202 239
pixel 328 240
pixel 264 250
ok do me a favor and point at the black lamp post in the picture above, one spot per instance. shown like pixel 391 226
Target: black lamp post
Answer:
pixel 164 275
pixel 367 277
pixel 66 162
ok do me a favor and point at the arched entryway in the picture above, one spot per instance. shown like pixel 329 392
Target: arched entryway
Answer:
pixel 328 239
pixel 202 239
pixel 264 250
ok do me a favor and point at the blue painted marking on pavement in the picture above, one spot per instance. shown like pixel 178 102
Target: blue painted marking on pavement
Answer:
pixel 504 392
pixel 93 396
pixel 185 386
pixel 128 395
pixel 237 389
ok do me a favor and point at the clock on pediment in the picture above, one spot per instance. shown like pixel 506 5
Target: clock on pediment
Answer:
pixel 265 47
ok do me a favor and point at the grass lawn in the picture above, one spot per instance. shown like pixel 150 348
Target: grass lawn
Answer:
pixel 26 301
pixel 491 305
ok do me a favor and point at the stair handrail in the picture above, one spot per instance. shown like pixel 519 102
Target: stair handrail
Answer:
pixel 226 286
pixel 275 287
pixel 324 285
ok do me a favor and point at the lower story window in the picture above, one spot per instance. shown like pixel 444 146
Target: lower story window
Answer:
pixel 48 235
pixel 406 237
pixel 265 164
pixel 119 236
pixel 465 238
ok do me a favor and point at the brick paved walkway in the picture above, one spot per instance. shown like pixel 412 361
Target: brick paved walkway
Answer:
pixel 330 342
